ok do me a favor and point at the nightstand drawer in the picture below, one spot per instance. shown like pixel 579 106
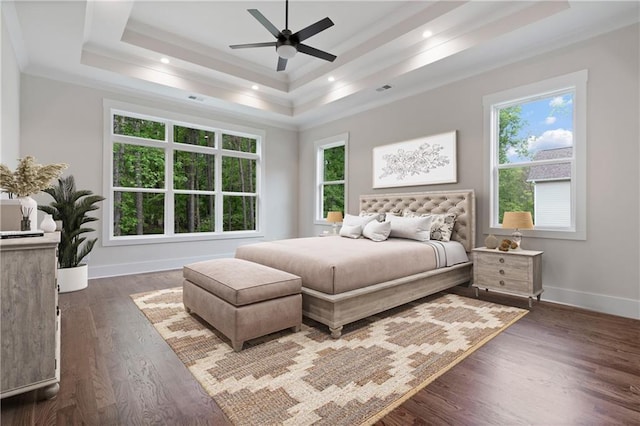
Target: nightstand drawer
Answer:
pixel 521 273
pixel 498 260
pixel 521 286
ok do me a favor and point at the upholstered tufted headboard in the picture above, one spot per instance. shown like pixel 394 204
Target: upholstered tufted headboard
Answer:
pixel 463 203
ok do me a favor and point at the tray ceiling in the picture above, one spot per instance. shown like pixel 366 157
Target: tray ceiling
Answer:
pixel 120 44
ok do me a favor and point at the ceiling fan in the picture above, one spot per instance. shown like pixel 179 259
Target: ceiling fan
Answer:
pixel 288 43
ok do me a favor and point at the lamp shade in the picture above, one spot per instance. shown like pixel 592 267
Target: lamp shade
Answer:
pixel 334 217
pixel 517 220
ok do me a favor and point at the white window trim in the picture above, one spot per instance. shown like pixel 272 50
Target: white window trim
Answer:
pixel 576 81
pixel 108 239
pixel 320 146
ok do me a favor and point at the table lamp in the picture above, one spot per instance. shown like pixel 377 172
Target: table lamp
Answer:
pixel 334 218
pixel 517 221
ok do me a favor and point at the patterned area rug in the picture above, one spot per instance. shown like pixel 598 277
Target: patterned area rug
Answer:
pixel 308 378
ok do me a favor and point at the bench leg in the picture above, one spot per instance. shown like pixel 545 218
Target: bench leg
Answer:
pixel 237 345
pixel 296 328
pixel 187 309
pixel 335 332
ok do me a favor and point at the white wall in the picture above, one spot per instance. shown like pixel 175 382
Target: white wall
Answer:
pixel 10 103
pixel 62 122
pixel 600 273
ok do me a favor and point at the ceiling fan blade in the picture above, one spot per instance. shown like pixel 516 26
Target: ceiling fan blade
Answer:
pixel 244 46
pixel 314 29
pixel 282 64
pixel 303 48
pixel 265 22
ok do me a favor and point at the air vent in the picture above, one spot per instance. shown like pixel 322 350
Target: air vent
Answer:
pixel 383 88
pixel 196 98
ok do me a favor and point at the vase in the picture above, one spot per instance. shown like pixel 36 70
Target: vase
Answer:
pixel 29 210
pixel 48 224
pixel 491 242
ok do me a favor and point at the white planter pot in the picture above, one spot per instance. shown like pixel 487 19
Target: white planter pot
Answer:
pixel 73 279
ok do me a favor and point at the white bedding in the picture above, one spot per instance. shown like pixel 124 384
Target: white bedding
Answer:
pixel 448 253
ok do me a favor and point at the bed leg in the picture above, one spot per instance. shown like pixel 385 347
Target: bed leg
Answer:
pixel 335 332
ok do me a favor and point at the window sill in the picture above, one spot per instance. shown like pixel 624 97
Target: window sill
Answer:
pixel 540 233
pixel 133 240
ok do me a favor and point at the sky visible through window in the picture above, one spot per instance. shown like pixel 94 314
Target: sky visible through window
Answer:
pixel 547 124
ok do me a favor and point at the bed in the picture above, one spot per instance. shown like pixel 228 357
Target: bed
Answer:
pixel 344 280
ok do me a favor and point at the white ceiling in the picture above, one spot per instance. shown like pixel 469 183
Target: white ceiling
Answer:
pixel 119 44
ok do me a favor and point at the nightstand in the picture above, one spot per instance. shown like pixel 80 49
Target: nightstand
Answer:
pixel 515 271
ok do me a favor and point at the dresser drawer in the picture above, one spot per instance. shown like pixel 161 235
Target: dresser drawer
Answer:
pixel 498 283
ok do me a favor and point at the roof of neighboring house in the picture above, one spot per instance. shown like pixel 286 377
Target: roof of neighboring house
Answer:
pixel 551 171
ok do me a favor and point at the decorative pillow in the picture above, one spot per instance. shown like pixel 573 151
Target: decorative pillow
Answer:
pixel 351 231
pixel 377 231
pixel 442 226
pixel 412 228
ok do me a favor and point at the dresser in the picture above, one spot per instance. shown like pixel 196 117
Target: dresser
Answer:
pixel 515 271
pixel 30 328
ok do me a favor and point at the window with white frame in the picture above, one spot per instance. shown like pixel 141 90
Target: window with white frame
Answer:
pixel 536 144
pixel 176 177
pixel 331 173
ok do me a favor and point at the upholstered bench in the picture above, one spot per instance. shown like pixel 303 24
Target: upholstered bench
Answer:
pixel 241 299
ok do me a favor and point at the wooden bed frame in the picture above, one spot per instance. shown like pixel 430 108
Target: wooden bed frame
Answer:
pixel 336 310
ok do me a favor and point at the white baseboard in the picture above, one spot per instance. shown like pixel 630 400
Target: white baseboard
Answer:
pixel 620 306
pixel 148 266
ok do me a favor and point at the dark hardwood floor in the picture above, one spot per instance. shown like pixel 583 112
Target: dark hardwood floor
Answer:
pixel 557 365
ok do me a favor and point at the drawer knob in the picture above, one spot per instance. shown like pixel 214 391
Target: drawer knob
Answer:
pixel 502 260
pixel 501 282
pixel 501 271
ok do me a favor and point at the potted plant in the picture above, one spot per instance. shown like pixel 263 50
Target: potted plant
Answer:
pixel 70 206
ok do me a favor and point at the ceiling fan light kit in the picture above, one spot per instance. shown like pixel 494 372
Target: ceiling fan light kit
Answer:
pixel 288 43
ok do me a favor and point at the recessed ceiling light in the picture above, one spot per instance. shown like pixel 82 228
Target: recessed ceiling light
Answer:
pixel 331 79
pixel 255 87
pixel 427 34
pixel 164 60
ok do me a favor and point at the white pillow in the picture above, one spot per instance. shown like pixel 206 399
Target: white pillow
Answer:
pixel 412 228
pixel 441 224
pixel 351 220
pixel 377 231
pixel 379 216
pixel 351 231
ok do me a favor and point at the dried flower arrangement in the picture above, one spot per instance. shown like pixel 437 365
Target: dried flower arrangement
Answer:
pixel 29 177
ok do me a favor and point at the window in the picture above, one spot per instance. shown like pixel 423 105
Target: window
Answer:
pixel 174 177
pixel 535 140
pixel 331 172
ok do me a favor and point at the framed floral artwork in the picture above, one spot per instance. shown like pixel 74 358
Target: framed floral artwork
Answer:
pixel 424 161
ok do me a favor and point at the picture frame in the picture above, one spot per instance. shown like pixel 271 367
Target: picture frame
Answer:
pixel 429 160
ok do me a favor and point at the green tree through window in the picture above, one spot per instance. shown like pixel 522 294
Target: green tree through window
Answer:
pixel 331 176
pixel 170 178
